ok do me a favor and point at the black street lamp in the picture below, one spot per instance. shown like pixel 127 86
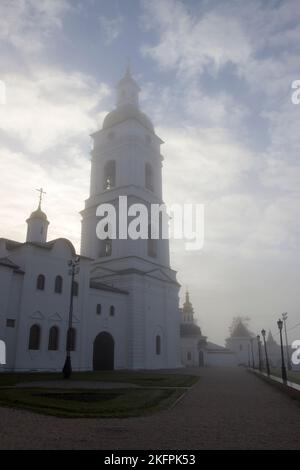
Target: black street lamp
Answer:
pixel 289 365
pixel 252 352
pixel 283 369
pixel 74 269
pixel 249 356
pixel 263 332
pixel 259 354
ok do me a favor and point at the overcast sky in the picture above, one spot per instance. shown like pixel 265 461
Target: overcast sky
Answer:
pixel 216 81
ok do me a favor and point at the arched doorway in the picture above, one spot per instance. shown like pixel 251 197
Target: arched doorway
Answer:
pixel 103 355
pixel 201 358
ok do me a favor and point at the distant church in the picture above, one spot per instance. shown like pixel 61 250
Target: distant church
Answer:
pixel 196 351
pixel 125 296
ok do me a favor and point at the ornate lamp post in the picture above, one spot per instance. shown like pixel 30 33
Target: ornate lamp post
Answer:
pixel 259 353
pixel 74 269
pixel 289 365
pixel 252 352
pixel 283 369
pixel 263 332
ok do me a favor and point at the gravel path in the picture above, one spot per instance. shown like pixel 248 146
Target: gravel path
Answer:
pixel 227 409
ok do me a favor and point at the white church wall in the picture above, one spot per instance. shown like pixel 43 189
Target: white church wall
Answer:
pixel 13 319
pixel 173 326
pixel 220 359
pixel 136 314
pixel 155 311
pixel 6 275
pixel 10 285
pixel 240 346
pixel 189 351
pixel 3 250
pixel 116 325
pixel 46 308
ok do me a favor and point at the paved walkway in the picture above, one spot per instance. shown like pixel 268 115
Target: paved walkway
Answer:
pixel 227 409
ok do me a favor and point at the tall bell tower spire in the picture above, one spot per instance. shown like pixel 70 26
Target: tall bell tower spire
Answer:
pixel 188 310
pixel 127 90
pixel 127 163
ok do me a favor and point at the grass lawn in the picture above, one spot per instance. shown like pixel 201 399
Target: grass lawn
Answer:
pixel 293 376
pixel 138 378
pixel 89 403
pixel 108 403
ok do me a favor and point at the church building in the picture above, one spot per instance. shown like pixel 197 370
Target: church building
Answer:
pixel 196 351
pixel 125 295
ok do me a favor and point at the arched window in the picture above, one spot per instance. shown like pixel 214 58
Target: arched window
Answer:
pixel 40 282
pixel 151 244
pixel 53 338
pixel 149 177
pixel 75 289
pixel 105 248
pixel 158 345
pixel 34 338
pixel 110 174
pixel 58 285
pixel 98 309
pixel 71 339
pixel 105 245
pixel 111 310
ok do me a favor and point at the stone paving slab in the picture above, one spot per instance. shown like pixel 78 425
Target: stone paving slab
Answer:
pixel 228 408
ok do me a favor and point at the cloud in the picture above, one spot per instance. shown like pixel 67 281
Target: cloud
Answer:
pixel 49 107
pixel 190 43
pixel 111 28
pixel 214 142
pixel 66 187
pixel 26 25
pixel 212 161
pixel 192 105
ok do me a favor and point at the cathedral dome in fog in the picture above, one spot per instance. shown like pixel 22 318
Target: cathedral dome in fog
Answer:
pixel 124 112
pixel 38 214
pixel 127 104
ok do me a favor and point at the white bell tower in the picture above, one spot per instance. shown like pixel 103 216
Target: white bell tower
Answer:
pixel 126 161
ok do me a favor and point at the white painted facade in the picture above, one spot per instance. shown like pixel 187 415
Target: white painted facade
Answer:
pixel 240 345
pixel 196 351
pixel 130 280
